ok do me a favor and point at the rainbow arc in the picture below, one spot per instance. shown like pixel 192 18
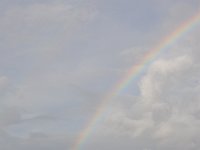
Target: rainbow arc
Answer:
pixel 133 72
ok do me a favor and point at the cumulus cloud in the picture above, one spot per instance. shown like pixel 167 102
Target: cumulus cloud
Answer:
pixel 165 111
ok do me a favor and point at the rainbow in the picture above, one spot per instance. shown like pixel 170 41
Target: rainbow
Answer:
pixel 133 72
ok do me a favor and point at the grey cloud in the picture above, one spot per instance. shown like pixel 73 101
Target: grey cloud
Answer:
pixel 34 141
pixel 60 58
pixel 38 32
pixel 9 116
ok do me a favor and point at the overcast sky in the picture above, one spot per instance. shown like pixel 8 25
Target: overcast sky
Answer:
pixel 58 59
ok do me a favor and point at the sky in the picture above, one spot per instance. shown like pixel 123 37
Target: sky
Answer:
pixel 58 60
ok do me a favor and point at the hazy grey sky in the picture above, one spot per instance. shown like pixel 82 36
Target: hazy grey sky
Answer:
pixel 58 59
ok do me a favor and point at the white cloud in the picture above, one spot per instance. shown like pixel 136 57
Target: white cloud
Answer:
pixel 159 73
pixel 165 112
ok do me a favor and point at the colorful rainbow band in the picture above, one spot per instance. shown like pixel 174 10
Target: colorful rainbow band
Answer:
pixel 148 58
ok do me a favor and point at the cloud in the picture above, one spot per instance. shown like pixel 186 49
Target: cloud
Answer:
pixel 40 30
pixel 4 85
pixel 164 112
pixel 9 116
pixel 58 59
pixel 34 141
pixel 35 37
